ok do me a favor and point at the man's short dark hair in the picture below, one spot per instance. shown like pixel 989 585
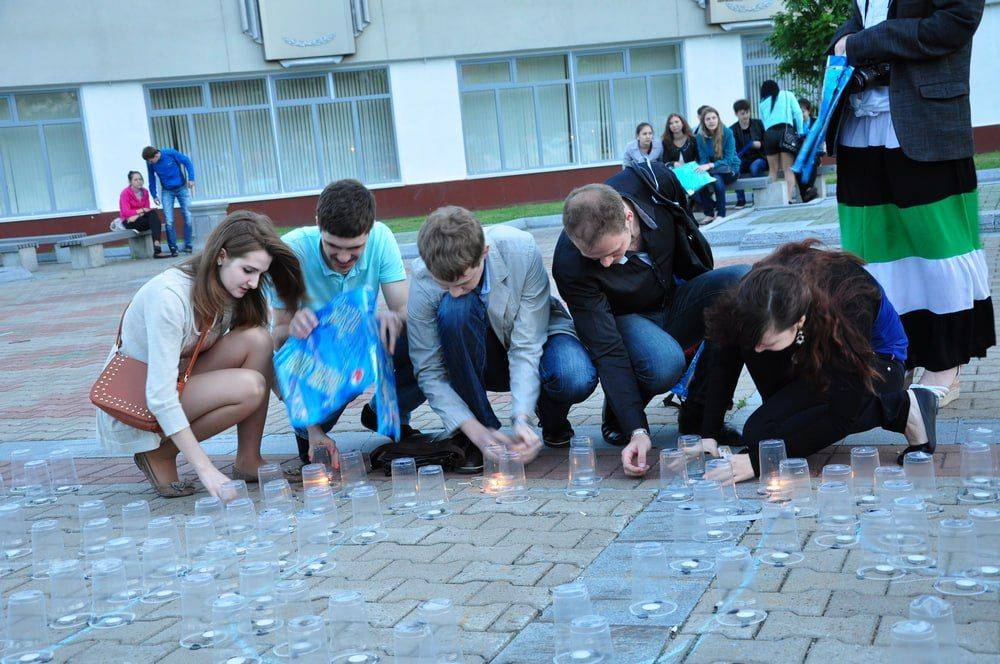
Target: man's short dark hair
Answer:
pixel 149 152
pixel 741 105
pixel 591 212
pixel 346 209
pixel 806 104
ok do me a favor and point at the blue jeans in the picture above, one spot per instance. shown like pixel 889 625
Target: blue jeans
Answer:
pixel 183 197
pixel 408 395
pixel 655 341
pixel 756 168
pixel 719 188
pixel 476 362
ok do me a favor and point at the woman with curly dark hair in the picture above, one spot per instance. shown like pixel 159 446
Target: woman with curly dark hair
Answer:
pixel 825 349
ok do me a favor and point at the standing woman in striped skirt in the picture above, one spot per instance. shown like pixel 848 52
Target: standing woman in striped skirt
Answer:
pixel 906 189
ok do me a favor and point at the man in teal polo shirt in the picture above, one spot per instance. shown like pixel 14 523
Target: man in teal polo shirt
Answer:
pixel 348 249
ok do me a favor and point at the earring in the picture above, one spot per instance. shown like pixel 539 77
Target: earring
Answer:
pixel 800 337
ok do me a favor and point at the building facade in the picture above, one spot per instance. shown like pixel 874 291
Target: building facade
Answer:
pixel 426 101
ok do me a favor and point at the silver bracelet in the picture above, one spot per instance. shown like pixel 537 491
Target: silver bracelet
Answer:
pixel 644 432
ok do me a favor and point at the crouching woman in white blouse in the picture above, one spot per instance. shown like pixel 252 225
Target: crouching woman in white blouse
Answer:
pixel 218 290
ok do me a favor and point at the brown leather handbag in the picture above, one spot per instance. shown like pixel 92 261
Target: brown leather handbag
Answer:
pixel 120 390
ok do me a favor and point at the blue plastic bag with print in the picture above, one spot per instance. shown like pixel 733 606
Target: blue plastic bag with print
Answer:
pixel 343 357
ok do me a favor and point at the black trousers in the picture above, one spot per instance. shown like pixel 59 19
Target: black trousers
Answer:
pixel 809 419
pixel 150 221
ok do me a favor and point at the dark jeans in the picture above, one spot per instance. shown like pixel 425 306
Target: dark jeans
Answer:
pixel 808 419
pixel 476 362
pixel 408 395
pixel 719 189
pixel 149 221
pixel 754 169
pixel 656 341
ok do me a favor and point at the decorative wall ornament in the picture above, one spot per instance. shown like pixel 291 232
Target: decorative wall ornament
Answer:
pixel 305 43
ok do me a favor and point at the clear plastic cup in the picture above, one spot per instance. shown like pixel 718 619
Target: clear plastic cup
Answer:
pixel 13 532
pixel 28 635
pixel 796 485
pixel 64 476
pixel 366 515
pixel 275 525
pixel 307 635
pixel 674 484
pixel 919 469
pixel 770 454
pixel 879 547
pixel 440 615
pixel 125 550
pixel 493 480
pixel 353 472
pixel 779 541
pixel 90 509
pixel 691 525
pixel 278 496
pixel 38 483
pixel 582 481
pixel 912 531
pixel 958 559
pixel 581 441
pixel 320 500
pixel 432 493
pixel 515 487
pixel 837 472
pixel 18 458
pixel 314 474
pixel 838 523
pixel 46 546
pixel 987 526
pixel 709 494
pixel 724 466
pixel 938 612
pixel 110 594
pixel 293 601
pixel 95 535
pixel 569 601
pixel 321 456
pixel 241 522
pixel 165 527
pixel 412 643
pixel 213 507
pixel 404 485
pixel 314 543
pixel 650 582
pixel 161 569
pixel 221 561
pixel 694 452
pixel 591 639
pixel 734 576
pixel 267 472
pixel 135 519
pixel 230 622
pixel 351 638
pixel 864 461
pixel 198 531
pixel 234 490
pixel 257 580
pixel 197 592
pixel 977 469
pixel 913 642
pixel 69 599
pixel 893 489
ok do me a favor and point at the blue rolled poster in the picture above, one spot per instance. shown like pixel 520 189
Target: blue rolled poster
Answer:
pixel 835 79
pixel 319 375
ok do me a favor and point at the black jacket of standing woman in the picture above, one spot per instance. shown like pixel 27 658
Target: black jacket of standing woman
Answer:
pixel 928 45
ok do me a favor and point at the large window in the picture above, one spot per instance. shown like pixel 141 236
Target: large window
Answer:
pixel 44 165
pixel 274 134
pixel 538 111
pixel 760 64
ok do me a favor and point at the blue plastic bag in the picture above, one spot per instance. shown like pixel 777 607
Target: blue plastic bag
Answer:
pixel 343 357
pixel 835 79
pixel 692 180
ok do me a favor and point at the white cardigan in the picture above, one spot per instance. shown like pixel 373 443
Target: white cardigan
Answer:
pixel 160 318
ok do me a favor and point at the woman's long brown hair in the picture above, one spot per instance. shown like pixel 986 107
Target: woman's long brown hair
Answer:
pixel 798 280
pixel 685 128
pixel 716 135
pixel 238 234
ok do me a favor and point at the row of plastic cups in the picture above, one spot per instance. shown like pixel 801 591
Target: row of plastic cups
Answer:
pixel 60 475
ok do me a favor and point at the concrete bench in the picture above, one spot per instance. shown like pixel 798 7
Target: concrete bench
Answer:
pixel 62 255
pixel 88 251
pixel 20 254
pixel 769 194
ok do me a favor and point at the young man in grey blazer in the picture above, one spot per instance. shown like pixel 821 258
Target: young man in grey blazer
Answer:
pixel 481 317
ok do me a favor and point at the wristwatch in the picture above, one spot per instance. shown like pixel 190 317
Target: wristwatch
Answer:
pixel 644 432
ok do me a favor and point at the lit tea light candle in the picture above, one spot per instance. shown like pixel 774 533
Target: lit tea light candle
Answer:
pixel 496 483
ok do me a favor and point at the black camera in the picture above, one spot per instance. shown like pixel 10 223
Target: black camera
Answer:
pixel 871 76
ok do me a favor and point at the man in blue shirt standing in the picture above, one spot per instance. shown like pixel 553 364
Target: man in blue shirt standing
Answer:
pixel 348 249
pixel 177 185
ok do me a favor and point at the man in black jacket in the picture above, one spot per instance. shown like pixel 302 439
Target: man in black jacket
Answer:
pixel 637 295
pixel 749 135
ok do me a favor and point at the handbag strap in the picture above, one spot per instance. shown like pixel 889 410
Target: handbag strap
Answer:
pixel 182 381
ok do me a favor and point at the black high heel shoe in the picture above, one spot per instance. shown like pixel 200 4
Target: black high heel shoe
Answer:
pixel 927 401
